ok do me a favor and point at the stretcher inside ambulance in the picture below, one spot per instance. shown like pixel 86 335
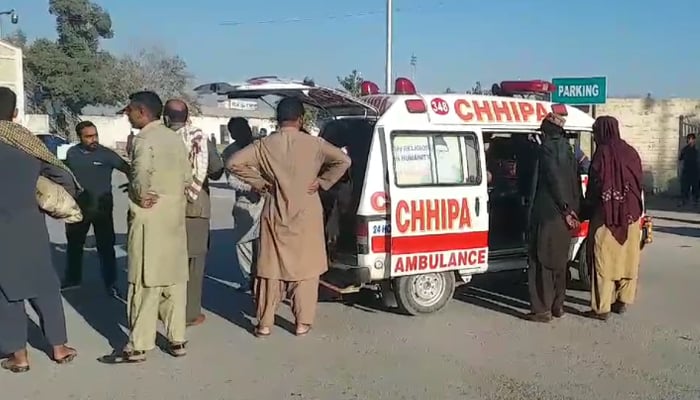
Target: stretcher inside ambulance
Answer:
pixel 439 188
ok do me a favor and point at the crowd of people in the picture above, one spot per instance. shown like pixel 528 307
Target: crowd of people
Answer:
pixel 278 222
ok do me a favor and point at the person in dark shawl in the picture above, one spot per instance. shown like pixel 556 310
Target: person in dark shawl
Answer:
pixel 614 205
pixel 554 213
pixel 26 271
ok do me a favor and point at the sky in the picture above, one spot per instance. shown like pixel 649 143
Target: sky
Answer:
pixel 644 46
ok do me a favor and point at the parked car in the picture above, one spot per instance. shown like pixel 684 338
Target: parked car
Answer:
pixel 56 144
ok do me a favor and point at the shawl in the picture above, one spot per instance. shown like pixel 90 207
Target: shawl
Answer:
pixel 198 154
pixel 617 172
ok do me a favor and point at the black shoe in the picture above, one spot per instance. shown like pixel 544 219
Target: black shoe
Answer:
pixel 619 307
pixel 600 317
pixel 558 312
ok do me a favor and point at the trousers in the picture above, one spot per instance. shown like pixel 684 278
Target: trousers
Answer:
pixel 194 287
pixel 149 304
pixel 14 320
pixel 247 254
pixel 270 292
pixel 103 226
pixel 547 288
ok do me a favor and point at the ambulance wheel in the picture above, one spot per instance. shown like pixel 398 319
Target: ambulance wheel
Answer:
pixel 424 293
pixel 584 273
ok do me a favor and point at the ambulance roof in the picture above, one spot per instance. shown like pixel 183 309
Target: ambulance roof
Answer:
pixel 466 109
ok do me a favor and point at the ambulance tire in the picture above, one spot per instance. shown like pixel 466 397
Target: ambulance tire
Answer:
pixel 424 293
pixel 584 273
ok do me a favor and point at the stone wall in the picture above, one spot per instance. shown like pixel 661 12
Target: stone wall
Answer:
pixel 653 127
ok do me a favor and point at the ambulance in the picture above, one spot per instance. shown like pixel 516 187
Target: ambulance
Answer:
pixel 441 183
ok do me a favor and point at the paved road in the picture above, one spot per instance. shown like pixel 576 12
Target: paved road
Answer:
pixel 477 348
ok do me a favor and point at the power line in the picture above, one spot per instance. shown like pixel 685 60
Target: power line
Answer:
pixel 330 17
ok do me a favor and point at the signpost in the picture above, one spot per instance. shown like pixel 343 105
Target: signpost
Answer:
pixel 580 91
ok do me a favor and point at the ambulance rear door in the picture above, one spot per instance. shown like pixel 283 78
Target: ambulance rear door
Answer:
pixel 439 199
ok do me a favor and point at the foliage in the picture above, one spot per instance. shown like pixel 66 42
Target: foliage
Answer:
pixel 153 69
pixel 476 89
pixel 449 90
pixel 63 76
pixel 352 82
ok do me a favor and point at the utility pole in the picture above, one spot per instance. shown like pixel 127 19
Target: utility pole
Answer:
pixel 389 46
pixel 414 62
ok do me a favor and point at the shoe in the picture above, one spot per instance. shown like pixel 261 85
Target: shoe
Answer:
pixel 558 313
pixel 619 307
pixel 540 317
pixel 600 317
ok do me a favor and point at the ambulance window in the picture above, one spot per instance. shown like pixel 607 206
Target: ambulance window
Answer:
pixel 427 159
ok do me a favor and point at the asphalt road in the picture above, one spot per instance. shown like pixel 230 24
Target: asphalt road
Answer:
pixel 476 348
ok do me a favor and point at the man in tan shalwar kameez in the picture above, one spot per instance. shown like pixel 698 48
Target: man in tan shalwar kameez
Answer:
pixel 285 167
pixel 157 240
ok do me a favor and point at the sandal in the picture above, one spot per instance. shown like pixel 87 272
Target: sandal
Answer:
pixel 303 330
pixel 10 365
pixel 261 332
pixel 177 349
pixel 124 357
pixel 68 358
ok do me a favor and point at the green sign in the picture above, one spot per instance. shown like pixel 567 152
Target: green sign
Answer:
pixel 580 90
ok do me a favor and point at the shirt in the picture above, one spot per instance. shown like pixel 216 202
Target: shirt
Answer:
pixel 689 157
pixel 93 170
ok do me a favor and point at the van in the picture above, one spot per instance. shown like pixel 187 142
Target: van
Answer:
pixel 441 186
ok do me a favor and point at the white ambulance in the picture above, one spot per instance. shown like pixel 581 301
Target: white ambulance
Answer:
pixel 442 185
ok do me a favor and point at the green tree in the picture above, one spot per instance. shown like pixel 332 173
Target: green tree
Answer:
pixel 449 90
pixel 352 83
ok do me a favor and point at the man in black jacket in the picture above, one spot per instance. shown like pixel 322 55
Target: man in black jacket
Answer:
pixel 554 214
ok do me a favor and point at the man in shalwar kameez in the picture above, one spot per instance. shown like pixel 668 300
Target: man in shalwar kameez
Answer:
pixel 286 167
pixel 157 240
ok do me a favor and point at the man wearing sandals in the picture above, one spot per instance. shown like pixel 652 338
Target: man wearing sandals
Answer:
pixel 289 167
pixel 27 272
pixel 157 240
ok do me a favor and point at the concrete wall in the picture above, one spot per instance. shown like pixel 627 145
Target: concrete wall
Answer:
pixel 114 130
pixel 653 128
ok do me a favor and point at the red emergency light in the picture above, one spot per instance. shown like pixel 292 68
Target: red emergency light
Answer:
pixel 536 86
pixel 368 88
pixel 560 109
pixel 404 86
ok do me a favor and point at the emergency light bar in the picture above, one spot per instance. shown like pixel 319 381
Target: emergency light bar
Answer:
pixel 402 86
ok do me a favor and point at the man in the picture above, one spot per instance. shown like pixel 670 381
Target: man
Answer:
pixel 212 139
pixel 92 164
pixel 554 213
pixel 689 171
pixel 157 240
pixel 130 142
pixel 198 209
pixel 287 167
pixel 27 272
pixel 584 163
pixel 247 204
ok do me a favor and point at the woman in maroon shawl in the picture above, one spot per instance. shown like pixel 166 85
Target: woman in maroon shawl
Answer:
pixel 614 205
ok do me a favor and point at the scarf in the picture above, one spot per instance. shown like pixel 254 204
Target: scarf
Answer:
pixel 617 173
pixel 198 155
pixel 21 138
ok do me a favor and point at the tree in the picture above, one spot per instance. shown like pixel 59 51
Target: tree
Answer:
pixel 64 76
pixel 17 38
pixel 352 83
pixel 449 90
pixel 153 69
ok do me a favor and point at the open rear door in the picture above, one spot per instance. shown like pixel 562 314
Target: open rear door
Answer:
pixel 439 201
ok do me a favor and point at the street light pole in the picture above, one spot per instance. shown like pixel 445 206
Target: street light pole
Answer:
pixel 389 46
pixel 13 18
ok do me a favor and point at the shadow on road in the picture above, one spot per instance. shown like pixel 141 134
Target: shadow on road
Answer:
pixel 504 292
pixel 680 230
pixel 105 314
pixel 222 292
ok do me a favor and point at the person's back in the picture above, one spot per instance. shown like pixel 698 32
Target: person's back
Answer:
pixel 167 156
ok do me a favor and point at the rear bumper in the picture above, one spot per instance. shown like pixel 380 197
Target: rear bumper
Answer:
pixel 342 276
